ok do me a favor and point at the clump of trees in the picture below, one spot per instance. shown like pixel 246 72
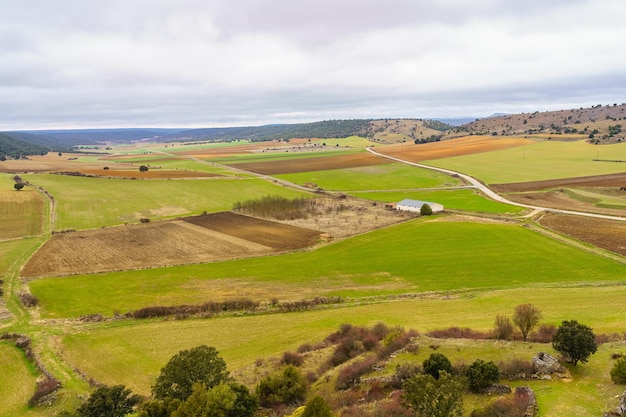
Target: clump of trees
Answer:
pixel 278 207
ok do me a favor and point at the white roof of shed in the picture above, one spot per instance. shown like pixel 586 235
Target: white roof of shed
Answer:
pixel 415 203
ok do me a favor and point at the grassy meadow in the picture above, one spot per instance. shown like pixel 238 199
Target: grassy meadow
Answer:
pixel 425 274
pixel 539 161
pixel 394 176
pixel 405 258
pixel 84 202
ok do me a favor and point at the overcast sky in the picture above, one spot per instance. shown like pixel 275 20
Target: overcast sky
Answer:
pixel 204 63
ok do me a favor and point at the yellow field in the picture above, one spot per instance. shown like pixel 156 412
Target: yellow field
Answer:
pixel 21 212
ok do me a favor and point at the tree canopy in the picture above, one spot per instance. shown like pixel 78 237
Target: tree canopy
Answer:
pixel 575 340
pixel 200 364
pixel 526 317
pixel 115 401
pixel 430 397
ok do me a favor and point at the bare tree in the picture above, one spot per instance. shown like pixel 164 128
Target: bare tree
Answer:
pixel 526 317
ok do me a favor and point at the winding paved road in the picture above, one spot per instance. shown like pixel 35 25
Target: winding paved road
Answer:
pixel 492 194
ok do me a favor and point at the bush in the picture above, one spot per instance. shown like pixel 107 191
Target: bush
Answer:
pixel 44 387
pixel 285 388
pixel 503 328
pixel 516 369
pixel 481 375
pixel 436 362
pixel 352 373
pixel 544 334
pixel 29 300
pixel 292 358
pixel 618 373
pixel 459 333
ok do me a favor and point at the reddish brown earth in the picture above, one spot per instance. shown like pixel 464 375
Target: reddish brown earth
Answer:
pixel 454 147
pixel 606 234
pixel 610 180
pixel 321 163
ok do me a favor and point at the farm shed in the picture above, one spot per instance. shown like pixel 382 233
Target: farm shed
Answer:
pixel 416 205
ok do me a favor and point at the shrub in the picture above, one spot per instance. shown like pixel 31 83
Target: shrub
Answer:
pixel 503 328
pixel 28 300
pixel 516 369
pixel 44 387
pixel 618 373
pixel 544 334
pixel 292 358
pixel 435 363
pixel 352 373
pixel 481 375
pixel 403 373
pixel 286 387
pixel 575 340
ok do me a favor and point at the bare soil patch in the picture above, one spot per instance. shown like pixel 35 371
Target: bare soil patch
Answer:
pixel 321 163
pixel 263 232
pixel 454 147
pixel 609 180
pixel 166 243
pixel 606 234
pixel 558 199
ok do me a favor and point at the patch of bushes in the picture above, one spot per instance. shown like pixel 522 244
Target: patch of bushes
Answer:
pixel 303 305
pixel 185 310
pixel 481 375
pixel 516 369
pixel 45 387
pixel 517 406
pixel 285 388
pixel 459 333
pixel 351 374
pixel 544 334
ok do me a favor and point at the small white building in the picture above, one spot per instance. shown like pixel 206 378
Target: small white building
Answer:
pixel 416 205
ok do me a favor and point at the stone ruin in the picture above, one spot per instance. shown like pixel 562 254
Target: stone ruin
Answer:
pixel 545 365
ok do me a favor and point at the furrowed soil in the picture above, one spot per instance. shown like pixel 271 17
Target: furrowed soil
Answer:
pixel 552 193
pixel 606 234
pixel 454 147
pixel 175 242
pixel 321 163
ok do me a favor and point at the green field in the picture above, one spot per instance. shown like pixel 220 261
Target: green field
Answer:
pixel 21 212
pixel 539 161
pixel 84 203
pixel 280 156
pixel 393 176
pixel 400 259
pixel 462 199
pixel 17 381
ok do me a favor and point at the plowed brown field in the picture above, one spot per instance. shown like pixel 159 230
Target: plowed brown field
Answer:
pixel 610 180
pixel 606 234
pixel 321 163
pixel 166 243
pixel 453 147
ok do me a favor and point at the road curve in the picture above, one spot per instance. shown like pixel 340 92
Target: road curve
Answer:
pixel 492 194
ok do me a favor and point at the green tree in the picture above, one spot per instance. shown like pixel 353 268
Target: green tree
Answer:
pixel 223 400
pixel 430 397
pixel 526 317
pixel 115 401
pixel 143 168
pixel 618 373
pixel 575 340
pixel 18 186
pixel 200 364
pixel 426 210
pixel 317 407
pixel 286 387
pixel 481 375
pixel 436 363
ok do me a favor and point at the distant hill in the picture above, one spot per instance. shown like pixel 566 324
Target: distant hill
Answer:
pixel 600 123
pixel 13 147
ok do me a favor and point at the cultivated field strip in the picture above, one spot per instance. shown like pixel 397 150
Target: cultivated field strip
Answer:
pixel 175 242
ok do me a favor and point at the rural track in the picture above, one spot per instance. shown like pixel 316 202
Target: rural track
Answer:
pixel 492 194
